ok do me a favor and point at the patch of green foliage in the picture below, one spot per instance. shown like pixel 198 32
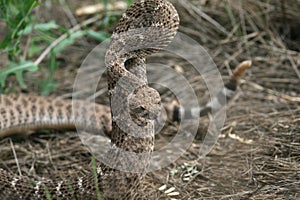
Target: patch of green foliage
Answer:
pixel 22 25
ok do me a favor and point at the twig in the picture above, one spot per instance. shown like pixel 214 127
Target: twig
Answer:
pixel 210 20
pixel 92 9
pixel 274 93
pixel 69 14
pixel 64 36
pixel 294 66
pixel 15 156
pixel 196 12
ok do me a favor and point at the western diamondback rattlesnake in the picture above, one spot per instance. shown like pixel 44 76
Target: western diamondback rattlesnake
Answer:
pixel 144 28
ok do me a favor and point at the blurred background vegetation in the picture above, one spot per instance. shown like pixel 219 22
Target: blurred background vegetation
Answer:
pixel 30 42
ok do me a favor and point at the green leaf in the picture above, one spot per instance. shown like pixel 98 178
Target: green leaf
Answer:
pixel 38 27
pixel 129 2
pixel 16 14
pixel 48 195
pixel 48 86
pixel 94 169
pixel 33 49
pixel 100 36
pixel 68 41
pixel 18 69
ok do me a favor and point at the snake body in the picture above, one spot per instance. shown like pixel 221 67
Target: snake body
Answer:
pixel 144 28
pixel 23 113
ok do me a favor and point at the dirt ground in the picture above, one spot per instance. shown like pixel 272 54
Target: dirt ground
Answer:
pixel 257 155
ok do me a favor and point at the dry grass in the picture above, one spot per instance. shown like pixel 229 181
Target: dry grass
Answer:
pixel 266 112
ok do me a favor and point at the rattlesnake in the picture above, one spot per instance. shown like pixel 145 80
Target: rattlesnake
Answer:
pixel 23 113
pixel 144 28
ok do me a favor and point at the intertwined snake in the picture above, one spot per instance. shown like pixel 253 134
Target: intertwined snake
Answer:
pixel 145 27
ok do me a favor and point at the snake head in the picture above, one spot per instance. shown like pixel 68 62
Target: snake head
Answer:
pixel 144 104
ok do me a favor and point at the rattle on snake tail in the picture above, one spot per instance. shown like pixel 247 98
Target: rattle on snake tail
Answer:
pixel 141 25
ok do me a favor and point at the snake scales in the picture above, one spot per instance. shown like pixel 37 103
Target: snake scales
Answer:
pixel 147 26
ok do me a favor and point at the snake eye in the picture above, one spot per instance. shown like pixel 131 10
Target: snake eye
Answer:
pixel 139 109
pixel 142 108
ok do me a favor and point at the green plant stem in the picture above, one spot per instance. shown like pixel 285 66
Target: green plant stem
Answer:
pixel 23 19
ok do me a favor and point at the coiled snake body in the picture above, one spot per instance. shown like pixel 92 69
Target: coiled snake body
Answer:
pixel 144 28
